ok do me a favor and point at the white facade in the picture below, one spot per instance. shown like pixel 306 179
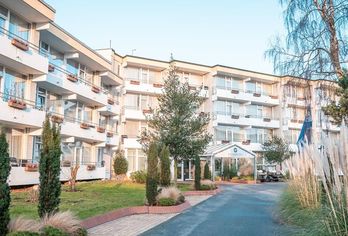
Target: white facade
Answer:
pixel 102 100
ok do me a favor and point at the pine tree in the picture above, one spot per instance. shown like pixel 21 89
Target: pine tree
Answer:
pixel 226 171
pixel 207 174
pixel 176 122
pixel 120 163
pixel 152 174
pixel 197 173
pixel 5 197
pixel 49 168
pixel 165 166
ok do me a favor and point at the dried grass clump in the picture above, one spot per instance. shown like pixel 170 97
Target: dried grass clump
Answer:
pixel 169 192
pixel 320 170
pixel 65 221
pixel 21 224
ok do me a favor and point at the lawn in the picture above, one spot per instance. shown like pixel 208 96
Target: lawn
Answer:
pixel 92 198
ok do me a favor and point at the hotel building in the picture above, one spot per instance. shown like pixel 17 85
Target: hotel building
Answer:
pixel 101 99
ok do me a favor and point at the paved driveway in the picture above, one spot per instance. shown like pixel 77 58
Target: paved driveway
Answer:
pixel 239 210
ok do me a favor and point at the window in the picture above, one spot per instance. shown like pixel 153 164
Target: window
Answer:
pixel 19 27
pixel 37 149
pixel 141 160
pixel 250 87
pixel 70 109
pixel 236 84
pixel 3 18
pixel 131 156
pixel 100 155
pixel 14 85
pixel 41 98
pixel 220 82
pixel 132 74
pixel 86 155
pixel 132 101
pixel 72 67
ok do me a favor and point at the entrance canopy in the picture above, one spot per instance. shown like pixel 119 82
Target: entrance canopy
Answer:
pixel 227 150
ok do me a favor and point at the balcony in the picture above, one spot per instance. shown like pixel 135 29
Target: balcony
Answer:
pixel 110 109
pixel 20 112
pixel 242 96
pixel 20 54
pixel 20 176
pixel 131 142
pixel 156 88
pixel 74 88
pixel 295 123
pixel 245 121
pixel 296 102
pixel 131 113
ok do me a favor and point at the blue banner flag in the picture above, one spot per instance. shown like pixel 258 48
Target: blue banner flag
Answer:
pixel 305 131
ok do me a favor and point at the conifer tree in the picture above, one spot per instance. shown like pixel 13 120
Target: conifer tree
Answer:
pixel 176 122
pixel 197 173
pixel 152 174
pixel 207 174
pixel 5 197
pixel 49 169
pixel 165 166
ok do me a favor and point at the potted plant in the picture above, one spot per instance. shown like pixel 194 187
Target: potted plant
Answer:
pixel 293 120
pixel 101 129
pixel 84 125
pixel 20 44
pixel 66 163
pixel 205 87
pixel 156 85
pixel 235 116
pixel 247 116
pixel 109 134
pixel 257 94
pixel 96 89
pixel 72 78
pixel 234 91
pixel 90 167
pixel 111 101
pixel 57 119
pixel 15 103
pixel 146 111
pixel 246 142
pixel 51 68
pixel 225 141
pixel 135 82
pixel 273 96
pixel 266 119
pixel 31 167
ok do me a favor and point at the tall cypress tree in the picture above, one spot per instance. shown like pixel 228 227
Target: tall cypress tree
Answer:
pixel 152 174
pixel 49 168
pixel 197 173
pixel 165 167
pixel 5 197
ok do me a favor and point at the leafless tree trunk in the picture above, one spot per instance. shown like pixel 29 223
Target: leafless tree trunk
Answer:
pixel 73 175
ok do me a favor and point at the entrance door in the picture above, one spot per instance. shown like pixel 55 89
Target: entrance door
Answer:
pixel 186 170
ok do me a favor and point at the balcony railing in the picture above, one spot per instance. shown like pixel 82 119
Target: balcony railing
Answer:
pixel 241 90
pixel 6 97
pixel 19 40
pixel 53 68
pixel 245 115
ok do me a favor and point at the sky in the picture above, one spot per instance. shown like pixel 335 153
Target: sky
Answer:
pixel 234 33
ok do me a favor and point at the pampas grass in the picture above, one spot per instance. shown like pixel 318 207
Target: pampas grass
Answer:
pixel 21 224
pixel 169 192
pixel 319 178
pixel 64 221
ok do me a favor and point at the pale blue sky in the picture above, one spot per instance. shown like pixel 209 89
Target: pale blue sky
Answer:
pixel 229 32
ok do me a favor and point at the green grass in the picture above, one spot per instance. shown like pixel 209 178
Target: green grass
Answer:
pixel 308 222
pixel 92 198
pixel 184 187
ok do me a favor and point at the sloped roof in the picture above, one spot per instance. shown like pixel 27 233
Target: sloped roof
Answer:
pixel 215 149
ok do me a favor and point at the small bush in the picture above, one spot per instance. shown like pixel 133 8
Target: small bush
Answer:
pixel 207 173
pixel 205 187
pixel 166 202
pixel 181 199
pixel 64 221
pixel 210 184
pixel 23 233
pixel 169 192
pixel 233 171
pixel 120 164
pixel 81 232
pixel 138 177
pixel 51 231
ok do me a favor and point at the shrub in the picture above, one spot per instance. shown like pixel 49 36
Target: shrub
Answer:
pixel 49 169
pixel 152 175
pixel 120 163
pixel 166 202
pixel 226 171
pixel 64 221
pixel 205 187
pixel 5 197
pixel 21 224
pixel 197 173
pixel 51 231
pixel 138 176
pixel 208 185
pixel 207 173
pixel 165 167
pixel 181 199
pixel 81 232
pixel 233 171
pixel 23 233
pixel 169 192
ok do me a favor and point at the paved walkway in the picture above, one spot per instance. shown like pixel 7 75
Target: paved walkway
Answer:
pixel 137 224
pixel 241 210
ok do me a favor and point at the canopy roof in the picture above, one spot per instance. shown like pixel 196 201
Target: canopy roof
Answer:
pixel 228 150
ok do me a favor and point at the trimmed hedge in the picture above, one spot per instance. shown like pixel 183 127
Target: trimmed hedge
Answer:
pixel 166 202
pixel 138 176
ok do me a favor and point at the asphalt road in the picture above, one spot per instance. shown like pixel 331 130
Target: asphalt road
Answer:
pixel 239 210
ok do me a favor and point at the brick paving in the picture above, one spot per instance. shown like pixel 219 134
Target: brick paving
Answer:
pixel 137 224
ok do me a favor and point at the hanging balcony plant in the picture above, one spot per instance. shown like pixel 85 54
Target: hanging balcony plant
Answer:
pixel 57 119
pixel 101 129
pixel 31 167
pixel 18 104
pixel 20 44
pixel 84 126
pixel 96 89
pixel 72 78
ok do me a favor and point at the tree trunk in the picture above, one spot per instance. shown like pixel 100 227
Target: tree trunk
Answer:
pixel 175 171
pixel 73 175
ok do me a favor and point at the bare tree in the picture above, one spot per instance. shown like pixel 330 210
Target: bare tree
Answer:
pixel 316 42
